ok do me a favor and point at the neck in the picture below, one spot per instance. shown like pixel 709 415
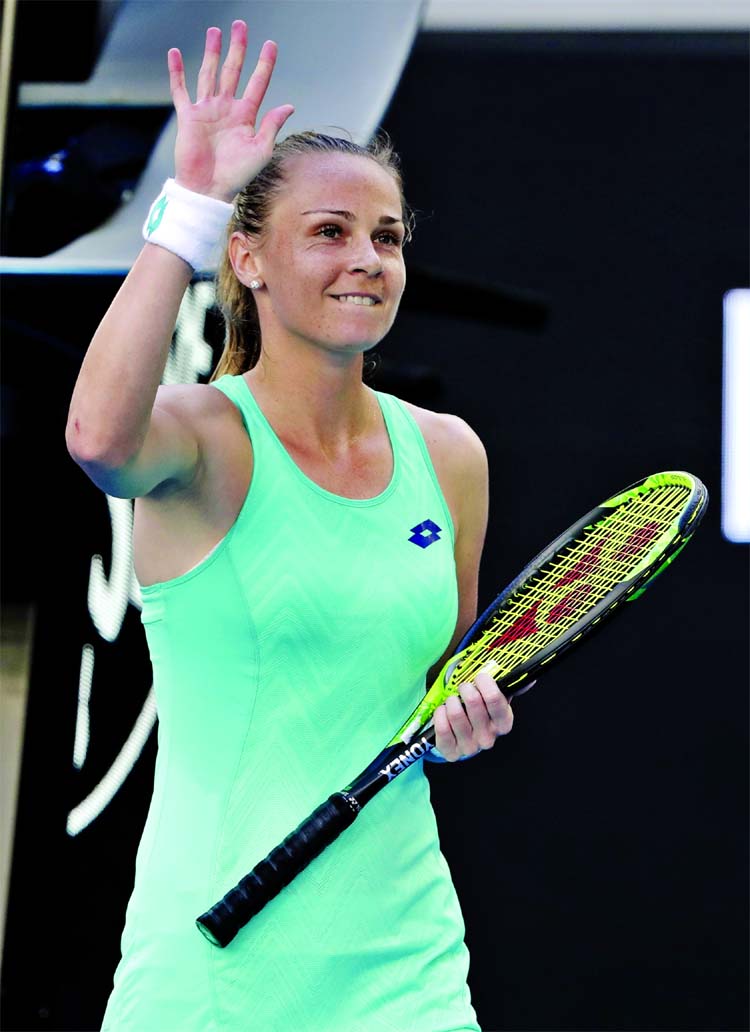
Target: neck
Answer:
pixel 317 397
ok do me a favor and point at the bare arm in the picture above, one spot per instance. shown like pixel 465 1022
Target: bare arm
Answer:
pixel 461 462
pixel 128 434
pixel 114 432
pixel 471 721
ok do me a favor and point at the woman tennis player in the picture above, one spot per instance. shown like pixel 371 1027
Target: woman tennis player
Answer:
pixel 308 549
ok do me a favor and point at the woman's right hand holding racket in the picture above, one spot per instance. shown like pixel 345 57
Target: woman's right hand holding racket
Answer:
pixel 218 149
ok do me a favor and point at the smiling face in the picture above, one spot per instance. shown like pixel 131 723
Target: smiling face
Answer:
pixel 334 230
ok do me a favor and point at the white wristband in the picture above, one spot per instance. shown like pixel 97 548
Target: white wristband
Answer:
pixel 186 223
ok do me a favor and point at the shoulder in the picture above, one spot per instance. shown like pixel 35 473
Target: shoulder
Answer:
pixel 198 405
pixel 224 450
pixel 193 398
pixel 213 420
pixel 452 443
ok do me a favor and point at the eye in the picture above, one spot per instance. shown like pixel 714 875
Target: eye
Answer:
pixel 326 228
pixel 330 231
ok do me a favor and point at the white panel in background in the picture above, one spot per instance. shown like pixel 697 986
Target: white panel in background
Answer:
pixel 565 15
pixel 735 477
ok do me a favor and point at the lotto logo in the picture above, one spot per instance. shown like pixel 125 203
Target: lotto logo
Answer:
pixel 425 533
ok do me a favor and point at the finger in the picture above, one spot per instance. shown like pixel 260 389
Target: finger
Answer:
pixel 460 725
pixel 180 95
pixel 256 88
pixel 483 733
pixel 445 740
pixel 209 65
pixel 499 711
pixel 272 122
pixel 232 68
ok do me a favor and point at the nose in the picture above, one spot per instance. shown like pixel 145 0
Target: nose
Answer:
pixel 365 258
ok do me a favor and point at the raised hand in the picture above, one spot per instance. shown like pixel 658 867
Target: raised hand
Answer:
pixel 218 149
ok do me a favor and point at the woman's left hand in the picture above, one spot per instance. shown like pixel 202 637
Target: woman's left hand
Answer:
pixel 471 721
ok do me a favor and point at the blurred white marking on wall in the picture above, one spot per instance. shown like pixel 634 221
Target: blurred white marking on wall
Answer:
pixel 735 464
pixel 81 745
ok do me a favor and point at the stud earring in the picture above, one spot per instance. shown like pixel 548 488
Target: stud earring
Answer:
pixel 254 284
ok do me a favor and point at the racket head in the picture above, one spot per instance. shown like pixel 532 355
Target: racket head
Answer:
pixel 610 555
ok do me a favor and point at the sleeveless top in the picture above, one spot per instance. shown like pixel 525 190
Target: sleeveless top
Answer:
pixel 283 663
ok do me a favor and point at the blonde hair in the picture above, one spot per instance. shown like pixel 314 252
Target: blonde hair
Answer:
pixel 252 207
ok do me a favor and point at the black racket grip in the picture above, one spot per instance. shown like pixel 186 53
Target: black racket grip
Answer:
pixel 221 923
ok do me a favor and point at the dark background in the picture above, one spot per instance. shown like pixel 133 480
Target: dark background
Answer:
pixel 600 851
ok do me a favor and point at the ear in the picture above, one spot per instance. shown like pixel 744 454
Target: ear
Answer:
pixel 243 258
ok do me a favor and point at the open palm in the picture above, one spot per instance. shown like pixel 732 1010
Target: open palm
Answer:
pixel 218 148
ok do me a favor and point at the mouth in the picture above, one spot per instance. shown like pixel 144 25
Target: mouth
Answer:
pixel 360 300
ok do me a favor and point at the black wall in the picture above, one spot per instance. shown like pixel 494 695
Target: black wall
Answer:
pixel 600 851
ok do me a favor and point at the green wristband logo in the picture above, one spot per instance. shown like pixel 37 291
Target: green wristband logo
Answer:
pixel 156 214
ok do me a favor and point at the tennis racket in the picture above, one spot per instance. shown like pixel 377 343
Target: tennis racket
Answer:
pixel 611 555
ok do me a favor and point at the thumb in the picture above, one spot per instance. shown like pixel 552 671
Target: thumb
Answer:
pixel 271 125
pixel 521 691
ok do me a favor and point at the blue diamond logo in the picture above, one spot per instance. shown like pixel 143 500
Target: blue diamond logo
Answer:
pixel 425 533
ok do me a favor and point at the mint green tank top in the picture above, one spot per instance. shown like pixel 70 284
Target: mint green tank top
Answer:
pixel 283 662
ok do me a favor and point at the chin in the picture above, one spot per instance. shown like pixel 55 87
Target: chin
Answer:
pixel 349 343
pixel 352 348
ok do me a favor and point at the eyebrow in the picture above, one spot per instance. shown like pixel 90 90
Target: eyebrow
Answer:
pixel 384 220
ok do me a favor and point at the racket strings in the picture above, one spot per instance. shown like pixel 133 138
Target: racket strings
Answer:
pixel 574 581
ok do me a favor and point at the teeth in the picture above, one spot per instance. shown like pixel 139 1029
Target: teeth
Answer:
pixel 356 300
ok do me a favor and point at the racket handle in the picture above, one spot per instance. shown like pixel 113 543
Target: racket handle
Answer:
pixel 221 923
